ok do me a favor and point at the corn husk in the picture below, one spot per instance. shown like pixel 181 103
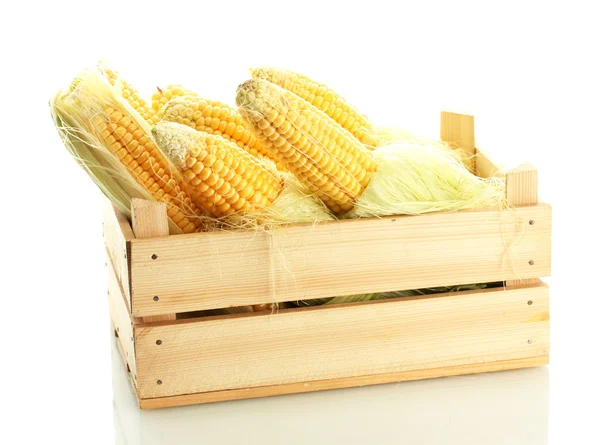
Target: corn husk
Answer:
pixel 416 177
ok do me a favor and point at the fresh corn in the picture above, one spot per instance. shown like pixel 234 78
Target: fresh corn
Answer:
pixel 326 158
pixel 121 142
pixel 214 118
pixel 322 97
pixel 220 176
pixel 162 96
pixel 131 95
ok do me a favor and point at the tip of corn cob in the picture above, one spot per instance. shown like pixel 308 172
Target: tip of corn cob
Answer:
pixel 174 140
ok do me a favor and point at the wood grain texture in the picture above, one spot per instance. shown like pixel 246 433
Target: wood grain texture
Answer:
pixel 216 270
pixel 459 131
pixel 117 237
pixel 487 166
pixel 149 220
pixel 120 318
pixel 311 344
pixel 348 382
pixel 522 190
pixel 522 185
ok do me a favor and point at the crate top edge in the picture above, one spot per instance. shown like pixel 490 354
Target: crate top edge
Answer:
pixel 310 226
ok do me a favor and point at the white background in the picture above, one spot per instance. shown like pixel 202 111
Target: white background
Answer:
pixel 529 73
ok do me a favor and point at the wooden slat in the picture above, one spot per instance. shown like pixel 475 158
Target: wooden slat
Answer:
pixel 117 236
pixel 120 318
pixel 459 131
pixel 149 220
pixel 486 166
pixel 522 190
pixel 348 382
pixel 303 345
pixel 522 185
pixel 225 269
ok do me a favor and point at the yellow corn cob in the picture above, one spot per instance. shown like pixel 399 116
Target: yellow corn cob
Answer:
pixel 214 118
pixel 319 152
pixel 139 154
pixel 219 176
pixel 162 96
pixel 131 95
pixel 322 97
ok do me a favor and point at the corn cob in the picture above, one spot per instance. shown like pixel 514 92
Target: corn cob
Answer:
pixel 177 104
pixel 120 140
pixel 220 177
pixel 131 95
pixel 162 96
pixel 327 159
pixel 215 118
pixel 322 97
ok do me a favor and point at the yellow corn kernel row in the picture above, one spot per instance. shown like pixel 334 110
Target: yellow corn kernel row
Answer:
pixel 214 118
pixel 326 158
pixel 219 176
pixel 322 97
pixel 131 95
pixel 164 95
pixel 140 155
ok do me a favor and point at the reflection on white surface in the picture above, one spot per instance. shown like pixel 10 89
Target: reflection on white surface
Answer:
pixel 508 407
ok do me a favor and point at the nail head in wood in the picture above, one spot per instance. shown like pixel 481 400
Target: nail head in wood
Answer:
pixel 529 341
pixel 159 382
pixel 155 298
pixel 531 222
pixel 530 302
pixel 154 256
pixel 159 342
pixel 531 262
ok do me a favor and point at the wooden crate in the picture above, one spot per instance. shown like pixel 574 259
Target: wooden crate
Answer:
pixel 157 283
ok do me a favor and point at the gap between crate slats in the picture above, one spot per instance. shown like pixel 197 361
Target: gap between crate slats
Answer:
pixel 465 328
pixel 214 270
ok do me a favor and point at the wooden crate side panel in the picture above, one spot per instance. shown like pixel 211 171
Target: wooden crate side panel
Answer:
pixel 117 236
pixel 120 318
pixel 215 270
pixel 465 328
pixel 347 382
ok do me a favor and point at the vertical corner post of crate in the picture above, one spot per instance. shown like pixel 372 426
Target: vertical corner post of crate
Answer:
pixel 458 130
pixel 522 190
pixel 149 220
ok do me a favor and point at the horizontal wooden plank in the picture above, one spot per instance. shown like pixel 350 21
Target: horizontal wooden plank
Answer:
pixel 117 235
pixel 216 270
pixel 347 382
pixel 120 318
pixel 303 345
